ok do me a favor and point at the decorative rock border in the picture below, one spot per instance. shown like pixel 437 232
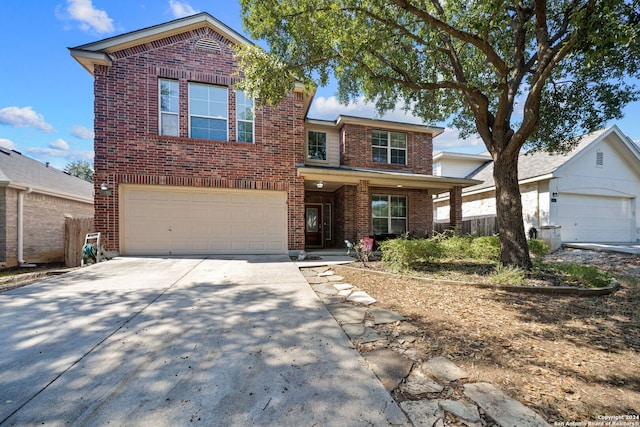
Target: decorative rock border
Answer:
pixel 548 290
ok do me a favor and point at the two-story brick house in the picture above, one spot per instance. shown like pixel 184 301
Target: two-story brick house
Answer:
pixel 186 164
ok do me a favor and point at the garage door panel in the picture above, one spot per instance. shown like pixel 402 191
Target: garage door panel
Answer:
pixel 177 220
pixel 595 218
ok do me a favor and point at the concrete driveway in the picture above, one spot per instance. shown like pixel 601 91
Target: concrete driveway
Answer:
pixel 169 342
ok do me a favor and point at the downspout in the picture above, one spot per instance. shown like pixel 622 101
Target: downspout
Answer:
pixel 20 227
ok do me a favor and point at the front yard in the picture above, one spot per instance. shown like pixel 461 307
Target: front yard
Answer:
pixel 570 358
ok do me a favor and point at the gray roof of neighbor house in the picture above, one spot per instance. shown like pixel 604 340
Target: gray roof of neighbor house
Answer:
pixel 538 164
pixel 17 170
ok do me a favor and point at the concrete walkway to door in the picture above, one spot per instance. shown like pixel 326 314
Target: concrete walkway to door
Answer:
pixel 169 342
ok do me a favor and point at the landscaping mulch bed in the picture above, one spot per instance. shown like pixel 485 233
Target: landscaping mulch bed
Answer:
pixel 570 358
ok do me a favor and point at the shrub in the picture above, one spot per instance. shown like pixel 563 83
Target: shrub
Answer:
pixel 455 246
pixel 537 248
pixel 486 248
pixel 402 254
pixel 508 275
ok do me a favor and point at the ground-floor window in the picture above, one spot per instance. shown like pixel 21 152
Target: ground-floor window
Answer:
pixel 389 214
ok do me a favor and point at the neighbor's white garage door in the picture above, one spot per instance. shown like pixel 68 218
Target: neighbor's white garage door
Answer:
pixel 159 220
pixel 594 219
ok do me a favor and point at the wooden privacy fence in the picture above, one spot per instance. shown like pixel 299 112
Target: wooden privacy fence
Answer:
pixel 75 230
pixel 483 226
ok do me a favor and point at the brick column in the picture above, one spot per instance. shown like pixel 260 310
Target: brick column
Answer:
pixel 455 208
pixel 363 210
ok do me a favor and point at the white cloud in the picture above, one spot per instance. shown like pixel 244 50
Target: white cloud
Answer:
pixel 82 132
pixel 89 17
pixel 450 140
pixel 7 143
pixel 59 144
pixel 180 9
pixel 24 117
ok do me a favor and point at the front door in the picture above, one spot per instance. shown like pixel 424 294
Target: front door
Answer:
pixel 313 226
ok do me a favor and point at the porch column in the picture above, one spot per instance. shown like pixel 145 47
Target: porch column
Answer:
pixel 455 208
pixel 363 210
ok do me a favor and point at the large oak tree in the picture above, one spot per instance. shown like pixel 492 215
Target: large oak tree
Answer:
pixel 564 63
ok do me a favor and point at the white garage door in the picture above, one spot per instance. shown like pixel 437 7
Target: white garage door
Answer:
pixel 595 219
pixel 159 220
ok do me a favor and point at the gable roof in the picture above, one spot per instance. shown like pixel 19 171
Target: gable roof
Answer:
pixel 534 166
pixel 21 171
pixel 97 53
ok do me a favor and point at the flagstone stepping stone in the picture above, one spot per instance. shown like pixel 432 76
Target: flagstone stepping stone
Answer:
pixel 326 273
pixel 361 297
pixel 418 382
pixel 345 293
pixel 321 269
pixel 443 369
pixel 501 408
pixel 330 299
pixel 325 288
pixel 335 278
pixel 390 367
pixel 343 286
pixel 308 273
pixel 463 410
pixel 353 330
pixel 423 413
pixel 369 335
pixel 315 280
pixel 347 313
pixel 381 316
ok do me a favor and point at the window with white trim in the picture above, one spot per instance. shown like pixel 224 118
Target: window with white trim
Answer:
pixel 389 147
pixel 389 214
pixel 169 107
pixel 245 117
pixel 316 145
pixel 208 112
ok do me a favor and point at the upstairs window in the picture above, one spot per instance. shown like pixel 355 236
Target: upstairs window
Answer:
pixel 316 145
pixel 245 117
pixel 389 147
pixel 389 214
pixel 208 112
pixel 169 106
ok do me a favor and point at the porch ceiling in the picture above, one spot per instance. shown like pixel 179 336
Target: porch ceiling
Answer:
pixel 334 178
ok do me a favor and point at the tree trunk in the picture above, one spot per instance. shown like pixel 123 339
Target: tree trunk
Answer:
pixel 514 250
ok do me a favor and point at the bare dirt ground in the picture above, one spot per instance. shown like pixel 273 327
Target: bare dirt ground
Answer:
pixel 570 358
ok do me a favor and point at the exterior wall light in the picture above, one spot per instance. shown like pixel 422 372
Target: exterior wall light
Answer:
pixel 104 189
pixel 319 184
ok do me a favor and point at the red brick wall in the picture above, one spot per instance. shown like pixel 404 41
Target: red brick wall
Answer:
pixel 128 148
pixel 356 150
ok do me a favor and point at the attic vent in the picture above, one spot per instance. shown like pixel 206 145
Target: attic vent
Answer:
pixel 208 45
pixel 599 159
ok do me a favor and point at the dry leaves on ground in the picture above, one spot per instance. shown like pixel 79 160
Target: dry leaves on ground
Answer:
pixel 570 358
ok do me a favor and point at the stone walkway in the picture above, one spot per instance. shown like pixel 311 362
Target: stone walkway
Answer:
pixel 433 393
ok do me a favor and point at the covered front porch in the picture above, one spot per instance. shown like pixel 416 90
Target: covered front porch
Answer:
pixel 344 203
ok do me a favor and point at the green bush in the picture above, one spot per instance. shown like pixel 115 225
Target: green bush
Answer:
pixel 403 254
pixel 537 248
pixel 486 248
pixel 587 275
pixel 508 275
pixel 455 246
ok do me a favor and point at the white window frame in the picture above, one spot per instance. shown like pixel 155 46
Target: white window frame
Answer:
pixel 211 117
pixel 388 148
pixel 389 217
pixel 162 113
pixel 243 120
pixel 309 158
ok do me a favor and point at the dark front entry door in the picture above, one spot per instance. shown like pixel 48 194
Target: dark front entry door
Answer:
pixel 313 226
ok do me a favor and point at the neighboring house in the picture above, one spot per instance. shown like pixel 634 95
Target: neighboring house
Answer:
pixel 34 201
pixel 192 167
pixel 590 194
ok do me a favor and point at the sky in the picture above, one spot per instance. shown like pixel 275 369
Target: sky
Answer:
pixel 46 97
